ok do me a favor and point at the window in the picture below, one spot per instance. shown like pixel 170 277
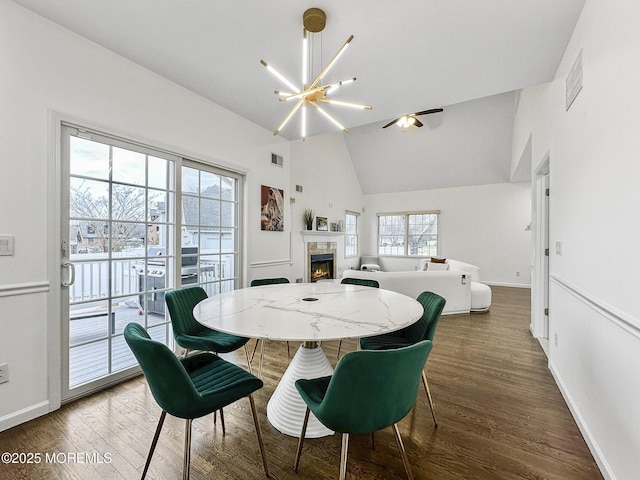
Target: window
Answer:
pixel 351 234
pixel 408 234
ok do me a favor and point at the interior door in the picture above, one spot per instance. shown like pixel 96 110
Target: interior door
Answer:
pixel 118 253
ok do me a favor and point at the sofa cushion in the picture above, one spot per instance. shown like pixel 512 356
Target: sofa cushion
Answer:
pixel 431 266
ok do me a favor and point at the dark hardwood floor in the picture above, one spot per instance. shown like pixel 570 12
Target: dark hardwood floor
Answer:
pixel 501 416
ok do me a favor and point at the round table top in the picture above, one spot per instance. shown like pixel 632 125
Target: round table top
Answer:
pixel 308 311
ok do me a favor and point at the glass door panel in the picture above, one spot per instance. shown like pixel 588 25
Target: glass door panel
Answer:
pixel 120 233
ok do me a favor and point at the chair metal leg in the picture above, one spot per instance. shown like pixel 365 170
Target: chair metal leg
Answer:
pixel 343 456
pixel 154 442
pixel 301 439
pixel 259 435
pixel 373 441
pixel 288 352
pixel 428 392
pixel 246 354
pixel 224 431
pixel 255 347
pixel 339 347
pixel 403 453
pixel 187 449
pixel 261 358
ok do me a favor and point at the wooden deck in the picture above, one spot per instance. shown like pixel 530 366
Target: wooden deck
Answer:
pixel 93 354
pixel 500 414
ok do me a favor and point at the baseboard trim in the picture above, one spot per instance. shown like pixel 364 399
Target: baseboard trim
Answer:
pixel 599 458
pixel 510 285
pixel 21 416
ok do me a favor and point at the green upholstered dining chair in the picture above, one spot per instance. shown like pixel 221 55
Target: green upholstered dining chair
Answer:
pixel 368 391
pixel 423 329
pixel 190 387
pixel 364 282
pixel 257 282
pixel 192 335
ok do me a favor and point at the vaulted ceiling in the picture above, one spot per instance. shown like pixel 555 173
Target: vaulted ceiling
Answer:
pixel 463 55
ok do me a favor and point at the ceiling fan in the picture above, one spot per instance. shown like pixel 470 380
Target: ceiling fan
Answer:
pixel 410 119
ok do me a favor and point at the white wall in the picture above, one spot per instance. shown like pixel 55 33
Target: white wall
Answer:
pixel 594 170
pixel 44 69
pixel 323 167
pixel 484 225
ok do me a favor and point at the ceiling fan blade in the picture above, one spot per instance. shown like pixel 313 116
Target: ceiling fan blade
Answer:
pixel 391 123
pixel 418 123
pixel 427 112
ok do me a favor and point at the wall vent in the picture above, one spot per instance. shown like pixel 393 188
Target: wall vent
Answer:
pixel 299 188
pixel 277 159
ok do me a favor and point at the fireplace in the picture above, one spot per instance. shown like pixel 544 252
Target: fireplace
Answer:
pixel 321 266
pixel 321 261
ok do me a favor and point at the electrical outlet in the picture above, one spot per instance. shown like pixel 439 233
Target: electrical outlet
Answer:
pixel 517 274
pixel 4 372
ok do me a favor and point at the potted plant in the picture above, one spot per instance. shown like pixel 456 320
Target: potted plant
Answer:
pixel 308 218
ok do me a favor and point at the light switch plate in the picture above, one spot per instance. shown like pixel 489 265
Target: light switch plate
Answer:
pixel 6 244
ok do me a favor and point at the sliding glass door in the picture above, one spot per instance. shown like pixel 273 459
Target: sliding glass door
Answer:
pixel 136 223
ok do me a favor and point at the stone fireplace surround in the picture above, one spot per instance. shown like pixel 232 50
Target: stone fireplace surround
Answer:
pixel 320 248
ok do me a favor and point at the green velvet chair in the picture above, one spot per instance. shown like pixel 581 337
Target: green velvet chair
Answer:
pixel 192 335
pixel 368 391
pixel 423 329
pixel 190 387
pixel 258 282
pixel 363 282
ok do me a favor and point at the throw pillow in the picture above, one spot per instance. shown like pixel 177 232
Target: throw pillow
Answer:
pixel 438 260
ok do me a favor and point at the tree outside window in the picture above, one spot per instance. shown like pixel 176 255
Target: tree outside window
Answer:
pixel 408 234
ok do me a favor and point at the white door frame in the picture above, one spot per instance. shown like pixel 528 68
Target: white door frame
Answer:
pixel 540 280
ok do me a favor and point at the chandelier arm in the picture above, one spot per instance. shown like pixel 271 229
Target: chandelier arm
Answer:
pixel 326 114
pixel 299 94
pixel 288 117
pixel 279 76
pixel 346 104
pixel 331 62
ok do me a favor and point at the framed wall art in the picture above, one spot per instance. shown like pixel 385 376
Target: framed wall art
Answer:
pixel 271 209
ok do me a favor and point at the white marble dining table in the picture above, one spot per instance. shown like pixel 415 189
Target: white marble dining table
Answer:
pixel 309 313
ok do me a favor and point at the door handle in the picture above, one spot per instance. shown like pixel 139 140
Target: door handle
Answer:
pixel 72 274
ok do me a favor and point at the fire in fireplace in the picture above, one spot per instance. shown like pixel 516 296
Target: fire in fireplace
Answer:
pixel 321 266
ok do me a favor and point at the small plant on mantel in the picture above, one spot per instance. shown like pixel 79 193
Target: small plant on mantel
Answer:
pixel 308 218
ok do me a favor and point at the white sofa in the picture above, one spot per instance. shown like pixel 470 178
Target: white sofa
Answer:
pixel 457 282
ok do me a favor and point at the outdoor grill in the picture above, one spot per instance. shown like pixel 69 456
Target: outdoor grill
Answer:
pixel 153 276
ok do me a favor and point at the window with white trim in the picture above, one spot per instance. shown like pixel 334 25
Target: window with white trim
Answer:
pixel 351 234
pixel 408 234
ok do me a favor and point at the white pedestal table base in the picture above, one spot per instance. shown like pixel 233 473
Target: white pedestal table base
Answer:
pixel 286 408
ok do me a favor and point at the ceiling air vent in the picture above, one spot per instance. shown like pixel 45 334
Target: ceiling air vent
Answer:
pixel 276 159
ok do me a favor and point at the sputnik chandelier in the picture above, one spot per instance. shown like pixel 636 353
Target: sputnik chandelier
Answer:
pixel 314 21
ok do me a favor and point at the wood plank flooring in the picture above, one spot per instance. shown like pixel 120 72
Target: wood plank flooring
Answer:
pixel 501 416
